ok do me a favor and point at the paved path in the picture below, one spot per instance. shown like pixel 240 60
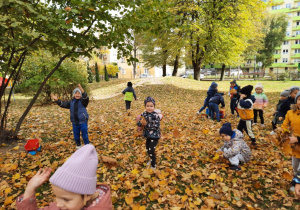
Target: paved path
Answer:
pixel 150 81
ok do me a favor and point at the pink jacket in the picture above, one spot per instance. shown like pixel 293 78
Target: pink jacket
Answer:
pixel 103 201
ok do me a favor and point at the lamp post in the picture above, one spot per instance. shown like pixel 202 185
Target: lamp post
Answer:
pixel 259 64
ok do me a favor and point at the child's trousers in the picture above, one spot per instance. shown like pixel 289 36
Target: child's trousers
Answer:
pixel 261 115
pixel 246 125
pixel 127 103
pixel 84 133
pixel 204 106
pixel 235 160
pixel 214 108
pixel 150 146
pixel 233 105
pixel 296 164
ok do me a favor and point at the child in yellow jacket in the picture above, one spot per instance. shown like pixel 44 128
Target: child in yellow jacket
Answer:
pixel 292 123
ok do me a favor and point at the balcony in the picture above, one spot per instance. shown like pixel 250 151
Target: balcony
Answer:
pixel 292 37
pixel 296 28
pixel 295 55
pixel 277 2
pixel 295 46
pixel 277 56
pixel 295 18
pixel 284 65
pixel 294 9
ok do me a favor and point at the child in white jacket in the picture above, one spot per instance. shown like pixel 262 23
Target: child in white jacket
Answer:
pixel 235 148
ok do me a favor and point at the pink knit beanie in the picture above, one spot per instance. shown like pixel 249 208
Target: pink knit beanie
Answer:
pixel 78 173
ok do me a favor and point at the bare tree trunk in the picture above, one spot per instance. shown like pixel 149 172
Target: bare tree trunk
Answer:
pixel 222 72
pixel 38 93
pixel 164 70
pixel 134 62
pixel 176 63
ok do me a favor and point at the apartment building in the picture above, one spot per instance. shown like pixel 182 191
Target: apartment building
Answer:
pixel 287 56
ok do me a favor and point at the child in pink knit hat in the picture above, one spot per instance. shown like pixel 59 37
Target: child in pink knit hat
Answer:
pixel 261 102
pixel 74 184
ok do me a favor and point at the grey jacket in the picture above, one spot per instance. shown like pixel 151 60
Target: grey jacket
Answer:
pixel 235 146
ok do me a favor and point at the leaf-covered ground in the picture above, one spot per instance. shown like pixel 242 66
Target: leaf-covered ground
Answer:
pixel 190 174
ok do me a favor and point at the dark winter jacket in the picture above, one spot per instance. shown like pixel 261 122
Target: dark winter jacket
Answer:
pixel 285 106
pixel 237 94
pixel 217 99
pixel 152 129
pixel 296 179
pixel 275 119
pixel 78 113
pixel 247 104
pixel 129 90
pixel 211 91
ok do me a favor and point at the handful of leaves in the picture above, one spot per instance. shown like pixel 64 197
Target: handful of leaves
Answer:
pixel 143 121
pixel 109 162
pixel 283 141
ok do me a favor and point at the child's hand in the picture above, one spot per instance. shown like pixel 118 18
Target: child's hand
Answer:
pixel 36 181
pixel 243 96
pixel 297 189
pixel 280 118
pixel 293 140
pixel 143 121
pixel 54 97
pixel 81 89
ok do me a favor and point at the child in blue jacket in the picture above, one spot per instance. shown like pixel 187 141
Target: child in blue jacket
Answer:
pixel 78 114
pixel 214 105
pixel 210 93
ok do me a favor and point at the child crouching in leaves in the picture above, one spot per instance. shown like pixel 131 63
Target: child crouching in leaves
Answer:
pixel 74 184
pixel 150 120
pixel 292 123
pixel 235 148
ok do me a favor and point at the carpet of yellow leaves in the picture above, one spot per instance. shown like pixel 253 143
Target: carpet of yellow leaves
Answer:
pixel 190 174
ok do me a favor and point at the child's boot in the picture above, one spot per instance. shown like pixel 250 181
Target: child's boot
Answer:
pixel 235 168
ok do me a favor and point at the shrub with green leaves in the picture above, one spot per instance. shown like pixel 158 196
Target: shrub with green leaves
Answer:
pixel 62 82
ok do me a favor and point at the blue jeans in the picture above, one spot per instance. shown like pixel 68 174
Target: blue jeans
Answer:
pixel 204 106
pixel 84 133
pixel 214 108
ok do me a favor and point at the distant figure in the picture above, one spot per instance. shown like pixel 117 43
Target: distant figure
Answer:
pixel 129 94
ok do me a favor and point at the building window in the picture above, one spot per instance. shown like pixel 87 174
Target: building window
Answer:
pixel 146 71
pixel 122 60
pixel 298 4
pixel 276 61
pixel 285 51
pixel 285 42
pixel 297 41
pixel 298 13
pixel 287 33
pixel 248 61
pixel 289 24
pixel 297 60
pixel 284 60
pixel 276 7
pixel 297 50
pixel 276 52
pixel 297 32
pixel 298 22
pixel 288 5
pixel 123 71
pixel 289 14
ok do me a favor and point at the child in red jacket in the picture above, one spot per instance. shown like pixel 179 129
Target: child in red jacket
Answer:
pixel 74 184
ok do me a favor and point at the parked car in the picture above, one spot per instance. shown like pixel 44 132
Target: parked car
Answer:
pixel 235 72
pixel 145 75
pixel 187 75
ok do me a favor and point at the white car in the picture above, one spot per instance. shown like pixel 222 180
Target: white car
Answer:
pixel 235 72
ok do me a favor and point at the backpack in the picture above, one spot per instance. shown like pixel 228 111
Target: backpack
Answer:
pixel 246 114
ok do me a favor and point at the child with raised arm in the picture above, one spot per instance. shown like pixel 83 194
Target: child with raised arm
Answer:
pixel 78 114
pixel 214 105
pixel 150 120
pixel 261 102
pixel 235 148
pixel 74 184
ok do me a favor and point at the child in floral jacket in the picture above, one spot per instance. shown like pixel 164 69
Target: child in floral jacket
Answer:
pixel 235 148
pixel 150 120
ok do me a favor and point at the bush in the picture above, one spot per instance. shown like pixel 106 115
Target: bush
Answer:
pixel 284 76
pixel 62 82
